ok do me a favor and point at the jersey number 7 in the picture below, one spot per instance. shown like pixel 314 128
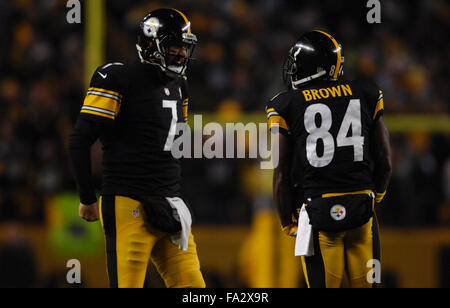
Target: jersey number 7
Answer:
pixel 173 124
pixel 352 119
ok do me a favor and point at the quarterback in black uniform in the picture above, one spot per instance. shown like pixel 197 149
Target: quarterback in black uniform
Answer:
pixel 334 162
pixel 134 109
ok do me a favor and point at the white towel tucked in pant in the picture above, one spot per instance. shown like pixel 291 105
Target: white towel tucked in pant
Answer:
pixel 181 239
pixel 304 243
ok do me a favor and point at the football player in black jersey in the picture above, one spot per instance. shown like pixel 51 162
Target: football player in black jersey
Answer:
pixel 134 109
pixel 334 162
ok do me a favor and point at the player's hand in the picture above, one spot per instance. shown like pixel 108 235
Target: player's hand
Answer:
pixel 89 212
pixel 290 230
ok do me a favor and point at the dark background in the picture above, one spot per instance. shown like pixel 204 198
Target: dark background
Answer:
pixel 242 45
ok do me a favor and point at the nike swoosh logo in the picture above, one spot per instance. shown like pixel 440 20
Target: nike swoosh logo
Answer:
pixel 103 76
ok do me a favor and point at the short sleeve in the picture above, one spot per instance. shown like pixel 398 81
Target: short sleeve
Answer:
pixel 105 93
pixel 379 107
pixel 276 111
pixel 374 96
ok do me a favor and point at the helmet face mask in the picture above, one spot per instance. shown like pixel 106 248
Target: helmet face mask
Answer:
pixel 315 55
pixel 176 55
pixel 289 68
pixel 165 40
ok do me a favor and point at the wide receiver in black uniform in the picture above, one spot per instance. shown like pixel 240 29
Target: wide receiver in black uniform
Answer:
pixel 134 109
pixel 334 160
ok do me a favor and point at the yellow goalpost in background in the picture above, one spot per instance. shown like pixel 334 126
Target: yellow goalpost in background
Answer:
pixel 94 49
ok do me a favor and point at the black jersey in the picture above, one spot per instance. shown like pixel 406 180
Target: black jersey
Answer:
pixel 330 125
pixel 141 107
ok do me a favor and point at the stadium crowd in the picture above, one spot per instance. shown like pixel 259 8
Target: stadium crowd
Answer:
pixel 242 45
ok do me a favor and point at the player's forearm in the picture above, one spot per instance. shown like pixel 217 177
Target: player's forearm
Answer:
pixel 382 157
pixel 382 176
pixel 282 192
pixel 283 196
pixel 81 169
pixel 80 143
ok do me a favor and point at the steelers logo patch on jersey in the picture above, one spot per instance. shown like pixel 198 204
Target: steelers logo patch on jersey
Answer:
pixel 337 212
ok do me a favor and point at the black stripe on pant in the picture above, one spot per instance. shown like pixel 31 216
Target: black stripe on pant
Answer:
pixel 314 265
pixel 376 250
pixel 109 225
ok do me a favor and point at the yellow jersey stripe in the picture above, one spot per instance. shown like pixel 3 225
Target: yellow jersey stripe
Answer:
pixel 339 54
pixel 379 107
pixel 380 196
pixel 102 102
pixel 277 121
pixel 270 110
pixel 97 114
pixel 185 20
pixel 360 192
pixel 106 91
pixel 184 108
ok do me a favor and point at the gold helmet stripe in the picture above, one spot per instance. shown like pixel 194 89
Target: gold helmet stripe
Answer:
pixel 188 23
pixel 339 55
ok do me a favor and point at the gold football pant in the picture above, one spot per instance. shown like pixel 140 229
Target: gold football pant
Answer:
pixel 336 253
pixel 131 243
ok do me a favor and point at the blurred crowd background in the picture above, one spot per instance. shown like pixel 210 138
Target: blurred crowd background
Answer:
pixel 242 45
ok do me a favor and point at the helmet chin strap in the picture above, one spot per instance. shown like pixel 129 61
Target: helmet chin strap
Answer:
pixel 295 83
pixel 139 50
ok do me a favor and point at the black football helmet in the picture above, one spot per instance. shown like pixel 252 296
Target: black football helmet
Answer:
pixel 315 55
pixel 160 30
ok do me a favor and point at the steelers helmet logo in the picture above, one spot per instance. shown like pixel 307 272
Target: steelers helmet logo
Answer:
pixel 337 212
pixel 151 27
